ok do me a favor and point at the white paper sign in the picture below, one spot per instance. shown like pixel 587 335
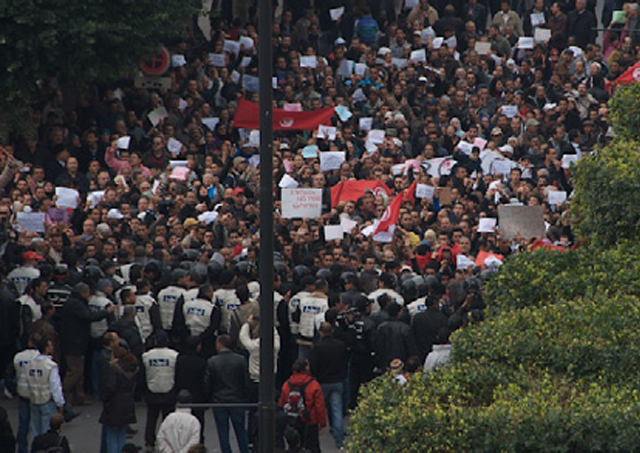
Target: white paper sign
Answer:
pixel 93 198
pixel 174 146
pixel 569 159
pixel 557 197
pixel 437 42
pixel 360 69
pixel 301 203
pixel 399 62
pixel 483 48
pixel 419 55
pixel 218 60
pixel 424 191
pixel 288 182
pixel 410 4
pixel 178 60
pixel 346 68
pixel 427 34
pixel 465 147
pixel 67 198
pixel 177 163
pixel 327 132
pixel 502 166
pixel 541 35
pixel 331 160
pixel 487 225
pixel 251 83
pixel 157 115
pixel 365 124
pixel 510 110
pixel 348 225
pixel 333 232
pixel 537 19
pixel 245 62
pixel 525 43
pixel 308 62
pixel 451 42
pixel 31 221
pixel 336 13
pixel 235 76
pixel 210 122
pixel 231 47
pixel 123 142
pixel 462 262
pixel 376 136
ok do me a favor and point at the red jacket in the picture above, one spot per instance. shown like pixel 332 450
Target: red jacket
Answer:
pixel 313 399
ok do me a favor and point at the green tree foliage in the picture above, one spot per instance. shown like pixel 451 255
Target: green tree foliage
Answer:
pixel 80 41
pixel 625 111
pixel 606 201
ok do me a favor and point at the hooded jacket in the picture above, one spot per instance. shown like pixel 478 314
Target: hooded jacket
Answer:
pixel 313 398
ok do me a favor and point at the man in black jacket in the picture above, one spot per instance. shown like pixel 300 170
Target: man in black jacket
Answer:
pixel 190 368
pixel 127 330
pixel 328 360
pixel 76 322
pixel 226 380
pixel 394 339
pixel 425 326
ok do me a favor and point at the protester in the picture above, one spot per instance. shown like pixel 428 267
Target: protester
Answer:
pixel 52 440
pixel 180 429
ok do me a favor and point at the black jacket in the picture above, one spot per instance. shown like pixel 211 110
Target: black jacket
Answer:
pixel 128 331
pixel 394 340
pixel 48 440
pixel 118 402
pixel 189 371
pixel 328 360
pixel 75 325
pixel 425 327
pixel 226 378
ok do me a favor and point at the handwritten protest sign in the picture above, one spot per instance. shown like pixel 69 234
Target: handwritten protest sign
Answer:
pixel 301 203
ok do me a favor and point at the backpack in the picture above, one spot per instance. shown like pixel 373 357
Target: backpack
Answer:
pixel 295 406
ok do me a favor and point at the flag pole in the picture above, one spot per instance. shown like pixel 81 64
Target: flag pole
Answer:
pixel 267 409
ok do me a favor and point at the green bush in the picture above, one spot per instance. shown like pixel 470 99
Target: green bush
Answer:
pixel 543 277
pixel 625 111
pixel 556 375
pixel 539 413
pixel 606 201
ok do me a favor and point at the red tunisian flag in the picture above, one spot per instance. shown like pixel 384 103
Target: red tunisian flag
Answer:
pixel 248 116
pixel 631 75
pixel 354 189
pixel 392 213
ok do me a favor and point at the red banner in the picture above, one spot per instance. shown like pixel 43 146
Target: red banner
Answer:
pixel 248 116
pixel 354 189
pixel 392 213
pixel 629 76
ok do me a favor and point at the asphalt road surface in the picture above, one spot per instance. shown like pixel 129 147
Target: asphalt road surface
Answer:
pixel 84 431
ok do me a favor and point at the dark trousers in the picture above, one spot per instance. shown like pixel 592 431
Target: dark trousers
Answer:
pixel 153 412
pixel 236 414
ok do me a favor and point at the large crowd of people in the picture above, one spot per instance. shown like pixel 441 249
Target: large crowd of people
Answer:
pixel 129 217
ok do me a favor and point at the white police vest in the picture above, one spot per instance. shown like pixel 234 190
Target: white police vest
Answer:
pixel 38 372
pixel 143 305
pixel 97 303
pixel 191 294
pixel 28 301
pixel 197 315
pixel 22 276
pixel 417 306
pixel 312 309
pixel 294 303
pixel 20 362
pixel 395 297
pixel 167 299
pixel 227 300
pixel 160 368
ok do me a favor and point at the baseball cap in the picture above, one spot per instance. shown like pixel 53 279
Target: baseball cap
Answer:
pixel 339 42
pixel 31 256
pixel 238 190
pixel 115 214
pixel 190 222
pixel 496 131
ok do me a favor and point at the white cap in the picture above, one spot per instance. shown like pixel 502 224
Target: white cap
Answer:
pixel 115 214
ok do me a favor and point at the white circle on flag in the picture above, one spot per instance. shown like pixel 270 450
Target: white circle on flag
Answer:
pixel 286 122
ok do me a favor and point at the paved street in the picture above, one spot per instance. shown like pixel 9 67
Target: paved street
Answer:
pixel 84 432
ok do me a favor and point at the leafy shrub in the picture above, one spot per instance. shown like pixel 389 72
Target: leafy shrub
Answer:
pixel 543 277
pixel 625 111
pixel 606 201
